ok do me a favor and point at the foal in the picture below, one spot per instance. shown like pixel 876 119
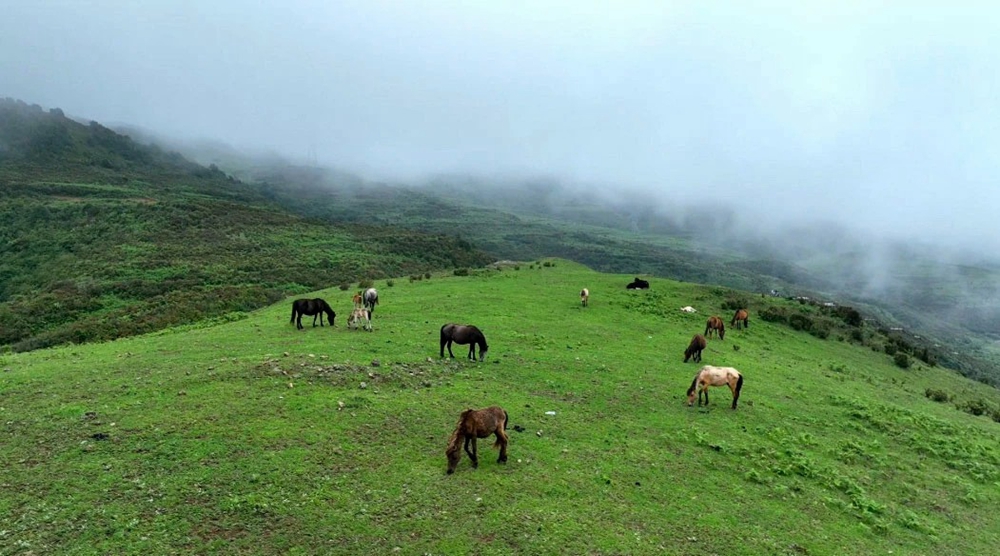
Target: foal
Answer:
pixel 473 424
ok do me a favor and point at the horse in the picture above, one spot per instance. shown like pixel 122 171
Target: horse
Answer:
pixel 715 376
pixel 361 317
pixel 584 296
pixel 311 307
pixel 357 300
pixel 741 319
pixel 693 350
pixel 473 424
pixel 638 284
pixel 464 334
pixel 715 324
pixel 370 299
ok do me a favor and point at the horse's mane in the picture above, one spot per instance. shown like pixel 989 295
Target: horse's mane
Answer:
pixel 456 436
pixel 694 383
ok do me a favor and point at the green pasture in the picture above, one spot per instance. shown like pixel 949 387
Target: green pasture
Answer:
pixel 244 435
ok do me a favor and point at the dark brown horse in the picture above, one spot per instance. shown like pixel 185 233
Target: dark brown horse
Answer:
pixel 741 319
pixel 313 308
pixel 464 334
pixel 715 376
pixel 693 350
pixel 473 424
pixel 716 325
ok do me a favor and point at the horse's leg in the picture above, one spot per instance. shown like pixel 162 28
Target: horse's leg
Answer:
pixel 502 439
pixel 298 321
pixel 472 350
pixel 736 395
pixel 449 350
pixel 472 453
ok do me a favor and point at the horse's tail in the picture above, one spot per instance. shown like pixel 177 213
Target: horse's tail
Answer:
pixel 293 313
pixel 733 322
pixel 736 394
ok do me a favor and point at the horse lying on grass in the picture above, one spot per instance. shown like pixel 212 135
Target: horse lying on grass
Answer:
pixel 473 424
pixel 715 376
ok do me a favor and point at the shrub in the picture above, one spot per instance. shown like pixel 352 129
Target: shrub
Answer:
pixel 461 272
pixel 821 332
pixel 901 360
pixel 974 407
pixel 890 348
pixel 366 283
pixel 735 303
pixel 937 395
pixel 799 321
pixel 857 336
pixel 773 314
pixel 345 286
pixel 427 275
pixel 390 283
pixel 548 264
pixel 517 267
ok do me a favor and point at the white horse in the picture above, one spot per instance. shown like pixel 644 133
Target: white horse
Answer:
pixel 370 299
pixel 584 296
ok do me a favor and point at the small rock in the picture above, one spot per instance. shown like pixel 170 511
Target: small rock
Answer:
pixel 290 385
pixel 340 405
pixel 182 393
pixel 286 354
pixel 376 363
pixel 539 433
pixel 364 385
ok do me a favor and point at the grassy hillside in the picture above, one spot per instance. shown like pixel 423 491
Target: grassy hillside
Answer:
pixel 104 238
pixel 253 437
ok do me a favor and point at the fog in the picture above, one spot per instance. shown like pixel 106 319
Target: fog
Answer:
pixel 879 116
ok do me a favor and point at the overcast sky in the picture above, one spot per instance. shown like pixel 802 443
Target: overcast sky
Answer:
pixel 880 115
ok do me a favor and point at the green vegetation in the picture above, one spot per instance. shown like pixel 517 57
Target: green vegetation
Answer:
pixel 104 238
pixel 246 435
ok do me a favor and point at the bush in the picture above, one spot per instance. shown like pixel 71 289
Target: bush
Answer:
pixel 390 283
pixel 735 303
pixel 890 348
pixel 799 321
pixel 901 360
pixel 366 283
pixel 416 278
pixel 857 336
pixel 821 332
pixel 974 407
pixel 548 264
pixel 774 314
pixel 937 395
pixel 461 272
pixel 517 267
pixel 427 275
pixel 345 286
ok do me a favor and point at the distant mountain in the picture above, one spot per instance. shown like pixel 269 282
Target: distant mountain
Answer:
pixel 104 237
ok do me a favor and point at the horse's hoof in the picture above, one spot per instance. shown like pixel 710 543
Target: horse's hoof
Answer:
pixel 450 471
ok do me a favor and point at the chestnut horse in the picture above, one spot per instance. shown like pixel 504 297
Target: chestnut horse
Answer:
pixel 357 300
pixel 693 350
pixel 741 319
pixel 360 317
pixel 464 334
pixel 313 308
pixel 473 424
pixel 716 325
pixel 715 376
pixel 584 296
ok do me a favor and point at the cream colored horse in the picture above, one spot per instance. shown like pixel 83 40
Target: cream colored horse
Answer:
pixel 715 376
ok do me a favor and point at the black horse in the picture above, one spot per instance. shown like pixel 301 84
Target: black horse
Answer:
pixel 311 307
pixel 464 334
pixel 638 284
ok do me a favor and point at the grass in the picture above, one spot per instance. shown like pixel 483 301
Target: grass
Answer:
pixel 246 436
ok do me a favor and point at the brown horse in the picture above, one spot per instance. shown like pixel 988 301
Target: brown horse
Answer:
pixel 313 308
pixel 473 424
pixel 715 376
pixel 464 334
pixel 693 350
pixel 357 300
pixel 716 325
pixel 741 319
pixel 584 296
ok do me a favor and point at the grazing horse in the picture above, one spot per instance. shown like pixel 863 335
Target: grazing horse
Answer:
pixel 584 296
pixel 463 334
pixel 741 319
pixel 370 299
pixel 362 317
pixel 715 324
pixel 715 376
pixel 357 300
pixel 693 350
pixel 638 284
pixel 473 424
pixel 311 307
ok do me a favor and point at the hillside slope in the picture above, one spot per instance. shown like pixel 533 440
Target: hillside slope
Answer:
pixel 104 238
pixel 254 437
